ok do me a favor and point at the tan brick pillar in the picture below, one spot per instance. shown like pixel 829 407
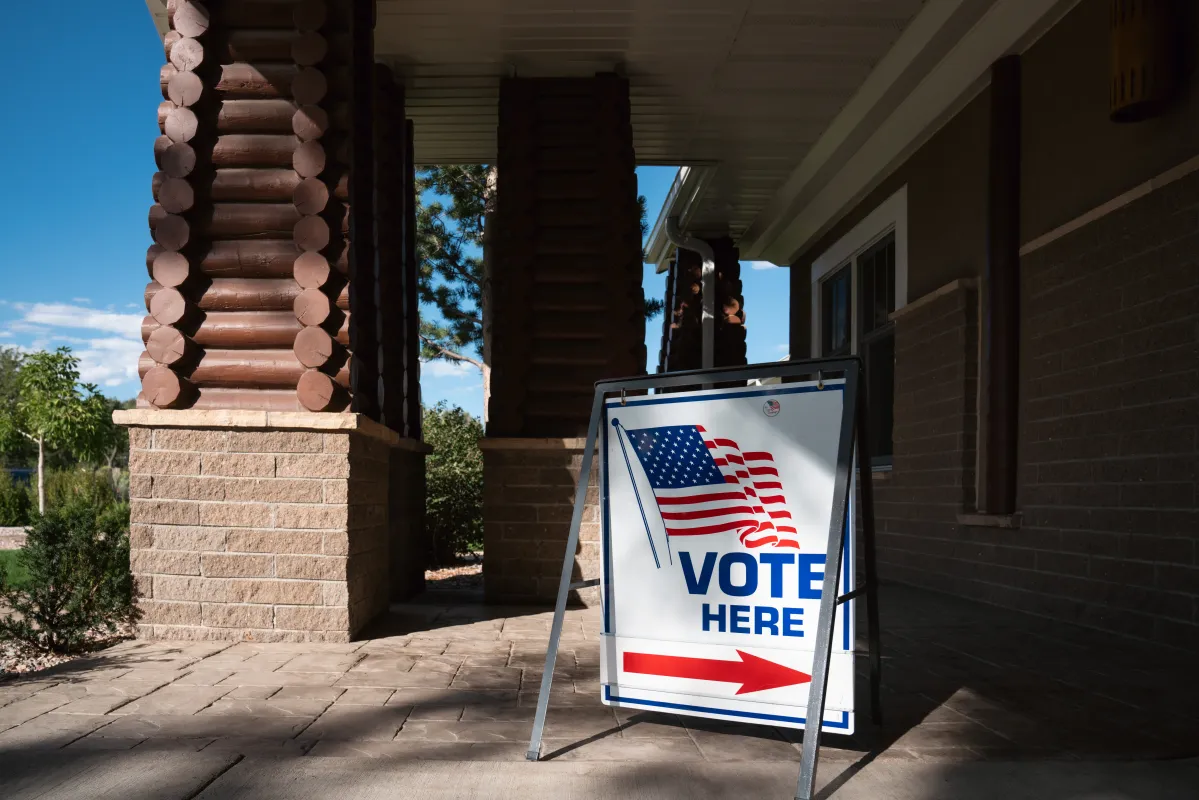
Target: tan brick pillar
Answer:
pixel 268 526
pixel 528 495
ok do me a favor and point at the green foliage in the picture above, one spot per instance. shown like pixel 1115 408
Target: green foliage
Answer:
pixel 454 475
pixel 74 486
pixel 14 502
pixel 51 407
pixel 449 242
pixel 54 411
pixel 15 450
pixel 77 560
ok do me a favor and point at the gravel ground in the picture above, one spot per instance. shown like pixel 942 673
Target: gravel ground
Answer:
pixel 465 576
pixel 17 659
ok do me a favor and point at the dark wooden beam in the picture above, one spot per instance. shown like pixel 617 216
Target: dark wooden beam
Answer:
pixel 364 372
pixel 1000 366
pixel 412 415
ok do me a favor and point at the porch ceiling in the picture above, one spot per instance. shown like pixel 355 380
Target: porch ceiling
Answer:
pixel 748 85
pixel 790 109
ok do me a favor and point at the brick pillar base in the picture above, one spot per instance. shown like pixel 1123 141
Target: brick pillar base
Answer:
pixel 528 498
pixel 268 526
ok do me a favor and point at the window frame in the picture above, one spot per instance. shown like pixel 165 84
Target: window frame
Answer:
pixel 890 216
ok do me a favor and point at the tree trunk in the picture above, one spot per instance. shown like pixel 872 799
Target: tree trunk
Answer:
pixel 41 474
pixel 485 310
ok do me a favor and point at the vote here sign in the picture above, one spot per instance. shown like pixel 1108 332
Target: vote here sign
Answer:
pixel 716 518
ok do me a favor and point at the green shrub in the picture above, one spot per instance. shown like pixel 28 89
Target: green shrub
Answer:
pixel 454 475
pixel 14 502
pixel 77 560
pixel 66 487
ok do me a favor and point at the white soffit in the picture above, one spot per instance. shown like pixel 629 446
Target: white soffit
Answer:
pixel 747 85
pixel 832 177
pixel 158 12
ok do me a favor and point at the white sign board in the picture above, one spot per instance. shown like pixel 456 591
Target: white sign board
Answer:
pixel 716 517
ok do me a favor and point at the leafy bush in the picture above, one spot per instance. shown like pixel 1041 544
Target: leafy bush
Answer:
pixel 14 502
pixel 454 475
pixel 77 560
pixel 79 486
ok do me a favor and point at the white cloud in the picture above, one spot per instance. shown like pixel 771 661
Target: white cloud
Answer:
pixel 108 360
pixel 5 334
pixel 67 316
pixel 441 368
pixel 760 265
pixel 84 300
pixel 20 326
pixel 782 348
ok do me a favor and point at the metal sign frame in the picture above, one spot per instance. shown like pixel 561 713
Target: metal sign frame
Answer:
pixel 852 437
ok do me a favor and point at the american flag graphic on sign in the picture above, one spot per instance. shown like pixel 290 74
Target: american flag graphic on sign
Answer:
pixel 706 485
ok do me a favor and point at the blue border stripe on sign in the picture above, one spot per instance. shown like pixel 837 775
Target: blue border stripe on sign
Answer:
pixel 651 401
pixel 725 712
pixel 606 609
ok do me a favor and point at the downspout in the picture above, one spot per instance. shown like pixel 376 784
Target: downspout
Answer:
pixel 707 283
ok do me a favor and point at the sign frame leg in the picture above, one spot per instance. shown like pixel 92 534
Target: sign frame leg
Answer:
pixel 842 486
pixel 564 585
pixel 866 486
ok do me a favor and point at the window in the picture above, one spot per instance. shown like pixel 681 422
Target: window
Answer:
pixel 876 343
pixel 860 281
pixel 836 314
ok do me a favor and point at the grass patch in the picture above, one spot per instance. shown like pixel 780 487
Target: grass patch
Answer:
pixel 17 576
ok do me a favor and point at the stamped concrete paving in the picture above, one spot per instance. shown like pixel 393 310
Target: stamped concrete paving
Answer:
pixel 963 684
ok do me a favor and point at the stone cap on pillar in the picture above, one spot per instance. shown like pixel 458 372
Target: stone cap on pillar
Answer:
pixel 267 420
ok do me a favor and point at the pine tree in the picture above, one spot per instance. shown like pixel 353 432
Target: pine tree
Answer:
pixel 452 250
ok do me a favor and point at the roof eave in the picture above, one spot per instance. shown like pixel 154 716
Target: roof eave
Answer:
pixel 688 184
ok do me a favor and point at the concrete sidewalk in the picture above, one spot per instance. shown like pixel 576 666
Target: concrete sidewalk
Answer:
pixel 438 703
pixel 136 774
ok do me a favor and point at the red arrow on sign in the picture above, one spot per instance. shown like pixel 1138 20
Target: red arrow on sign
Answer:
pixel 753 673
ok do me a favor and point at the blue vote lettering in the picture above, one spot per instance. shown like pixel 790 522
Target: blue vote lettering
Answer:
pixel 770 567
pixel 697 585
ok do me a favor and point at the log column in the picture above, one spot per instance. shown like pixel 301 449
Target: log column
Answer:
pixel 300 523
pixel 683 331
pixel 319 234
pixel 249 296
pixel 568 310
pixel 392 279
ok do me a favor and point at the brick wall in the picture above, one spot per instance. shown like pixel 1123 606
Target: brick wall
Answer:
pixel 1109 448
pixel 528 499
pixel 258 535
pixel 409 542
pixel 1108 529
pixel 933 476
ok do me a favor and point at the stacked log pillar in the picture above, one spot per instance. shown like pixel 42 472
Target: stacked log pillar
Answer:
pixel 251 218
pixel 393 283
pixel 567 310
pixel 683 339
pixel 412 398
pixel 252 517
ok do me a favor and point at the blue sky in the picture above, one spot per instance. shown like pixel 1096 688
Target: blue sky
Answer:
pixel 79 145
